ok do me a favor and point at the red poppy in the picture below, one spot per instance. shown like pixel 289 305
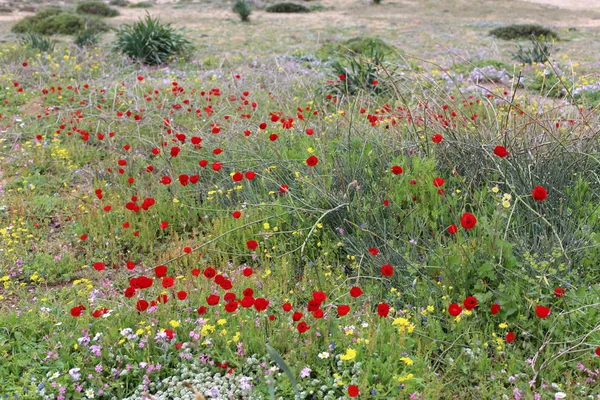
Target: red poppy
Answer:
pixel 237 177
pixel 231 306
pixel 343 310
pixel 319 296
pixel 387 270
pixel 559 292
pixel 250 175
pixel 99 266
pixel 182 295
pixel 470 302
pixel 247 301
pixel 437 138
pixel 500 151
pixel 201 310
pixel 261 304
pixel 454 309
pixel 252 245
pixel 386 202
pixel 283 188
pixel 160 271
pixel 355 291
pixel 129 292
pixel 539 193
pixel 187 250
pixel 318 313
pixel 438 182
pixel 383 309
pixel 141 305
pixel 248 292
pixel 312 161
pixel 77 311
pixel 287 307
pixel 210 272
pixel 597 351
pixel 247 271
pixel 212 300
pixel 495 309
pixel 353 391
pixel 396 170
pixel 236 214
pixel 168 282
pixel 452 229
pixel 468 221
pixel 297 316
pixel 542 311
pixel 510 337
pixel 374 251
pixel 303 327
pixel 164 225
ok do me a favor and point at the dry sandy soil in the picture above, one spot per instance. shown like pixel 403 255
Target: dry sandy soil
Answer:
pixel 570 4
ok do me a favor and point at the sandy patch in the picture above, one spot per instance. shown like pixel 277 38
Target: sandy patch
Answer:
pixel 570 4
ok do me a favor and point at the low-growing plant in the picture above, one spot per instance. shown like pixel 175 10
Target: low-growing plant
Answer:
pixel 539 52
pixel 38 42
pixel 96 8
pixel 55 21
pixel 360 45
pixel 88 37
pixel 119 3
pixel 243 9
pixel 287 8
pixel 141 4
pixel 151 42
pixel 523 31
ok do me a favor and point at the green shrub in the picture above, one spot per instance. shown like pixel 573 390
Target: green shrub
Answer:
pixel 243 9
pixel 143 4
pixel 361 45
pixel 151 42
pixel 54 21
pixel 523 31
pixel 96 8
pixel 287 8
pixel 550 85
pixel 38 42
pixel 119 3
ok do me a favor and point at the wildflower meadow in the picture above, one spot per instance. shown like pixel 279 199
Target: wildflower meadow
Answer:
pixel 267 201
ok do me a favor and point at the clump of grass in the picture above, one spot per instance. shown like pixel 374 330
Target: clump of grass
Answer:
pixel 55 21
pixel 523 31
pixel 96 8
pixel 151 42
pixel 243 9
pixel 119 3
pixel 287 8
pixel 539 52
pixel 360 45
pixel 38 42
pixel 88 37
pixel 142 4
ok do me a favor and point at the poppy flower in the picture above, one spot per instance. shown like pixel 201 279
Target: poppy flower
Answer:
pixel 387 270
pixel 210 272
pixel 248 292
pixel 250 175
pixel 201 310
pixel 468 221
pixel 99 266
pixel 160 271
pixel 141 305
pixel 353 391
pixel 452 229
pixel 187 250
pixel 237 177
pixel 236 214
pixel 542 311
pixel 164 225
pixel 182 295
pixel 373 251
pixel 495 309
pixel 297 316
pixel 597 351
pixel 252 245
pixel 231 306
pixel 129 292
pixel 319 296
pixel 510 337
pixel 383 309
pixel 343 310
pixel 195 272
pixel 287 307
pixel 283 188
pixel 470 302
pixel 77 311
pixel 261 304
pixel 303 327
pixel 247 301
pixel 247 272
pixel 168 282
pixel 212 300
pixel 355 291
pixel 559 292
pixel 539 193
pixel 396 170
pixel 454 309
pixel 438 182
pixel 318 313
pixel 437 138
pixel 313 305
pixel 500 151
pixel 312 161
